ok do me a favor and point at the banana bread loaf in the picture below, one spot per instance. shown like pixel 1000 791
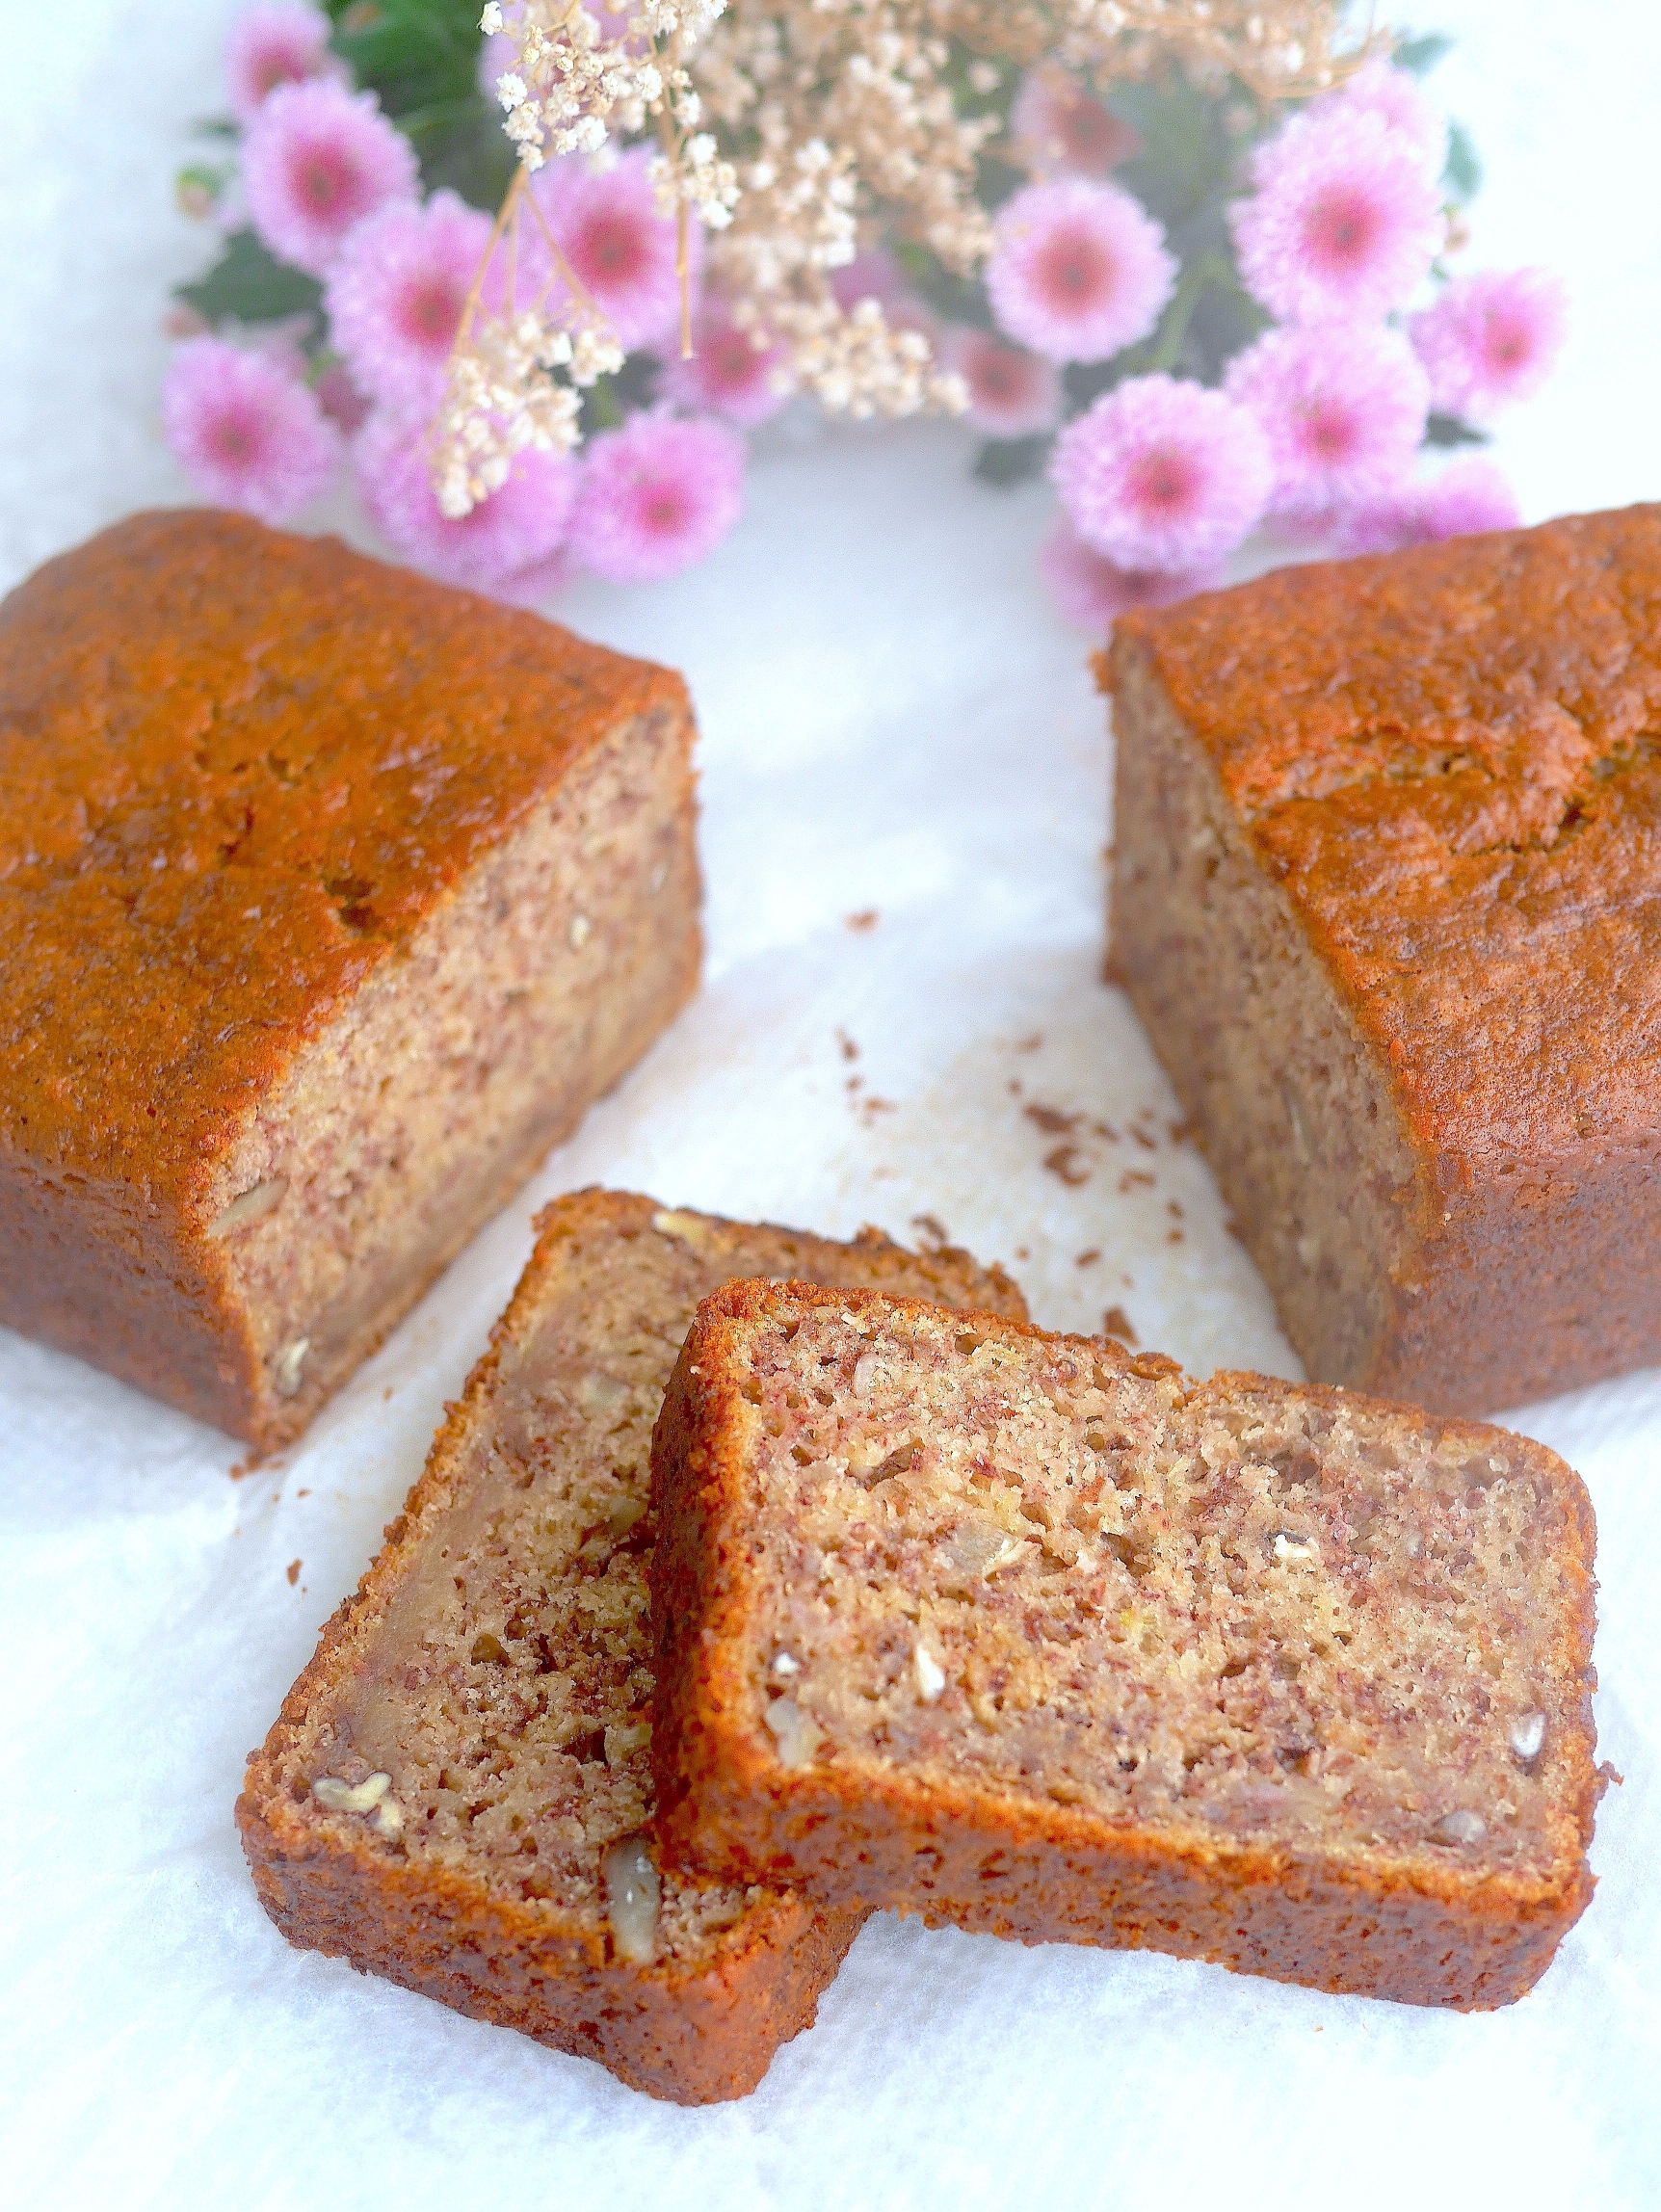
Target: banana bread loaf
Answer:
pixel 1388 837
pixel 457 1793
pixel 329 900
pixel 1030 1634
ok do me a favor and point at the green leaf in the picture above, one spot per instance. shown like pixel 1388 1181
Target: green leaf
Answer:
pixel 608 400
pixel 1448 429
pixel 421 60
pixel 1422 54
pixel 1008 461
pixel 1463 174
pixel 248 284
pixel 412 53
pixel 1188 154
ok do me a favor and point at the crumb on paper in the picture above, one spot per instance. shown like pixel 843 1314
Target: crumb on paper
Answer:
pixel 1131 1178
pixel 869 1107
pixel 1144 1137
pixel 1053 1120
pixel 1115 1322
pixel 1089 1258
pixel 241 1467
pixel 1022 1251
pixel 867 918
pixel 303 1493
pixel 1067 1162
pixel 932 1232
pixel 1173 1209
pixel 293 1572
pixel 850 1050
pixel 1173 1236
pixel 1029 1044
pixel 1180 1132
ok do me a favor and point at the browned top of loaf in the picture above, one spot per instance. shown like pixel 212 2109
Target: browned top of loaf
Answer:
pixel 1451 757
pixel 237 769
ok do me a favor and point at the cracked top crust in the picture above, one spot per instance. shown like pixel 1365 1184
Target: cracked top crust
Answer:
pixel 238 768
pixel 1451 760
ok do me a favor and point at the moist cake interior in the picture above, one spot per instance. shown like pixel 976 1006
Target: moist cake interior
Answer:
pixel 1233 1609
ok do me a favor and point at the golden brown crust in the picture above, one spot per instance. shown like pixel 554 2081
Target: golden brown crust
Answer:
pixel 239 772
pixel 1021 1867
pixel 692 2037
pixel 691 2034
pixel 1444 761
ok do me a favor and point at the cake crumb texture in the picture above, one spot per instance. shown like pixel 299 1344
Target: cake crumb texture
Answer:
pixel 1042 1638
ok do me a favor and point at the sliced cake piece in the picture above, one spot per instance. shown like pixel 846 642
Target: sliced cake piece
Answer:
pixel 1029 1634
pixel 457 1794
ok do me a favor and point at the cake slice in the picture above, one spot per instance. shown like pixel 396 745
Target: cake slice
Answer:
pixel 1033 1635
pixel 329 900
pixel 457 1793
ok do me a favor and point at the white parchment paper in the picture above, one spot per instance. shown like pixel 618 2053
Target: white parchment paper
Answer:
pixel 893 722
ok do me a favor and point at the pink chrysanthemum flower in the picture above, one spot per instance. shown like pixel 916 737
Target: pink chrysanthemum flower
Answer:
pixel 246 431
pixel 621 246
pixel 656 495
pixel 1344 222
pixel 1092 593
pixel 1012 393
pixel 519 526
pixel 1060 129
pixel 1399 101
pixel 395 295
pixel 283 42
pixel 1467 496
pixel 1491 339
pixel 316 160
pixel 1163 475
pixel 1078 272
pixel 1343 410
pixel 729 373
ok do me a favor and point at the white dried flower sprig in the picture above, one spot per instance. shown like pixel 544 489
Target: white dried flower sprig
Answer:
pixel 856 363
pixel 575 86
pixel 501 393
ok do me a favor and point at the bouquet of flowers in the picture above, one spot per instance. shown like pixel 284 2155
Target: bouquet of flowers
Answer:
pixel 533 273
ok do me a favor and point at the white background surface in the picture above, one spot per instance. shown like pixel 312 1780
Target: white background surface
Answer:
pixel 893 719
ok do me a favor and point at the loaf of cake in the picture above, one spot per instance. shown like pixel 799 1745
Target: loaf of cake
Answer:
pixel 457 1794
pixel 1388 842
pixel 331 899
pixel 1033 1635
